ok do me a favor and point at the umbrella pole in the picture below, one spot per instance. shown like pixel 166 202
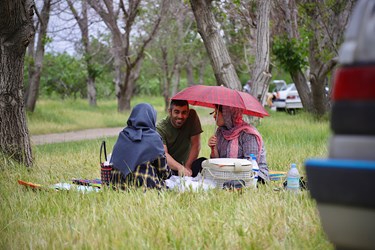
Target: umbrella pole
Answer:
pixel 215 124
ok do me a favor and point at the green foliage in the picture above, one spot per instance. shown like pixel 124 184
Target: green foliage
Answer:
pixel 46 40
pixel 151 87
pixel 291 53
pixel 63 76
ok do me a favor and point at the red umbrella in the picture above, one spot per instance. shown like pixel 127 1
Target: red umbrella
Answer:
pixel 208 96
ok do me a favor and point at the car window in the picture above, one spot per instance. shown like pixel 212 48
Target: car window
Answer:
pixel 285 87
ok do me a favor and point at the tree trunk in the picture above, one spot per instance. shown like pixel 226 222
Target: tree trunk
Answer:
pixel 303 89
pixel 261 73
pixel 201 71
pixel 325 38
pixel 176 81
pixel 222 65
pixel 189 73
pixel 298 77
pixel 118 64
pixel 83 24
pixel 16 30
pixel 91 90
pixel 126 56
pixel 127 88
pixel 318 73
pixel 37 64
pixel 165 93
pixel 166 79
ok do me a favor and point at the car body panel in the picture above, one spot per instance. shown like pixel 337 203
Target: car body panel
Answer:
pixel 288 98
pixel 343 185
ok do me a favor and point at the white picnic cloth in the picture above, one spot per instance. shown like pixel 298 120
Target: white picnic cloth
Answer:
pixel 185 183
pixel 79 188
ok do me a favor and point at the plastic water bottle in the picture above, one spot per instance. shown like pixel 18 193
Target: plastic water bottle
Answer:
pixel 292 179
pixel 255 166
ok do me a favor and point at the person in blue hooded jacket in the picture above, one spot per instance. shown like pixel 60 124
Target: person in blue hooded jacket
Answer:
pixel 138 157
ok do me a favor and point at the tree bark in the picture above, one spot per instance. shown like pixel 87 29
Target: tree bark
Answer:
pixel 261 72
pixel 325 38
pixel 82 21
pixel 176 79
pixel 201 70
pixel 36 66
pixel 171 39
pixel 189 73
pixel 221 62
pixel 16 30
pixel 299 78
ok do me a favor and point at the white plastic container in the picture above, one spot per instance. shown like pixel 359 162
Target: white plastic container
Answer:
pixel 221 170
pixel 292 178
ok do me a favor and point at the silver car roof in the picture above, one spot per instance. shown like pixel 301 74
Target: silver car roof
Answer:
pixel 360 35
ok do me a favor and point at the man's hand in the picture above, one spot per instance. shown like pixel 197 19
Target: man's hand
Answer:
pixel 184 171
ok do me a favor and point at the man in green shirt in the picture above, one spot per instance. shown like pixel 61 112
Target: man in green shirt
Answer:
pixel 180 132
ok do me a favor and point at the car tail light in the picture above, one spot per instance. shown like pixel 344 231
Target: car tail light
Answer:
pixel 355 83
pixel 353 107
pixel 291 97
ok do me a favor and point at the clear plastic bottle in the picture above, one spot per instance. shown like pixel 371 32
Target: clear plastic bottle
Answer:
pixel 255 166
pixel 292 179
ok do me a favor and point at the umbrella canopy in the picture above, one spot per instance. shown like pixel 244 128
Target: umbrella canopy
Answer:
pixel 208 96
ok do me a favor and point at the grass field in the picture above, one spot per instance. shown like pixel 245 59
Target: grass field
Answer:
pixel 217 219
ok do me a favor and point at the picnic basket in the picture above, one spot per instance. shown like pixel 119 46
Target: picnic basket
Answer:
pixel 221 170
pixel 105 167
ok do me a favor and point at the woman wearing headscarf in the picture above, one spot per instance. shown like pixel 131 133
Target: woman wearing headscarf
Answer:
pixel 235 138
pixel 138 157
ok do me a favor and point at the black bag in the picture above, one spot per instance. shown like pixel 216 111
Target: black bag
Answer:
pixel 105 169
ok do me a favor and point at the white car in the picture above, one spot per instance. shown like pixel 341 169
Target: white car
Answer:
pixel 287 98
pixel 293 102
pixel 279 84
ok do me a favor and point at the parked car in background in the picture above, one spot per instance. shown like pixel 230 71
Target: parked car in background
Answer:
pixel 287 98
pixel 293 102
pixel 271 96
pixel 343 185
pixel 279 84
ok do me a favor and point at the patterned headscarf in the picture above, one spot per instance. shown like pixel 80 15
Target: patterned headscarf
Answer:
pixel 233 126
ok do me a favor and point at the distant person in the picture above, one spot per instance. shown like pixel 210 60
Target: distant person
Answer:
pixel 138 156
pixel 180 132
pixel 234 138
pixel 270 98
pixel 247 87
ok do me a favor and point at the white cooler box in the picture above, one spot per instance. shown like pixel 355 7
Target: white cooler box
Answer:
pixel 220 170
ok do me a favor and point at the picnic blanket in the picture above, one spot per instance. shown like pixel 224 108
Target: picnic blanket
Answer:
pixel 180 184
pixel 80 185
pixel 277 175
pixel 185 183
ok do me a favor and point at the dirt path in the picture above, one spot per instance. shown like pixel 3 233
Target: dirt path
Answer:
pixel 88 134
pixel 75 135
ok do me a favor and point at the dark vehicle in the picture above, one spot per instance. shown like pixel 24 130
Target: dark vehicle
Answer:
pixel 344 184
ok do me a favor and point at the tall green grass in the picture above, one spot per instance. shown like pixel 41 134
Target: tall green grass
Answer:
pixel 217 219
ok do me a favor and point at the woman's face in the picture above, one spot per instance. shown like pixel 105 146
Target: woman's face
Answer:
pixel 218 116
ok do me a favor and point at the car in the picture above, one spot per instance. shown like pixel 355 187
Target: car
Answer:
pixel 343 184
pixel 279 84
pixel 287 98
